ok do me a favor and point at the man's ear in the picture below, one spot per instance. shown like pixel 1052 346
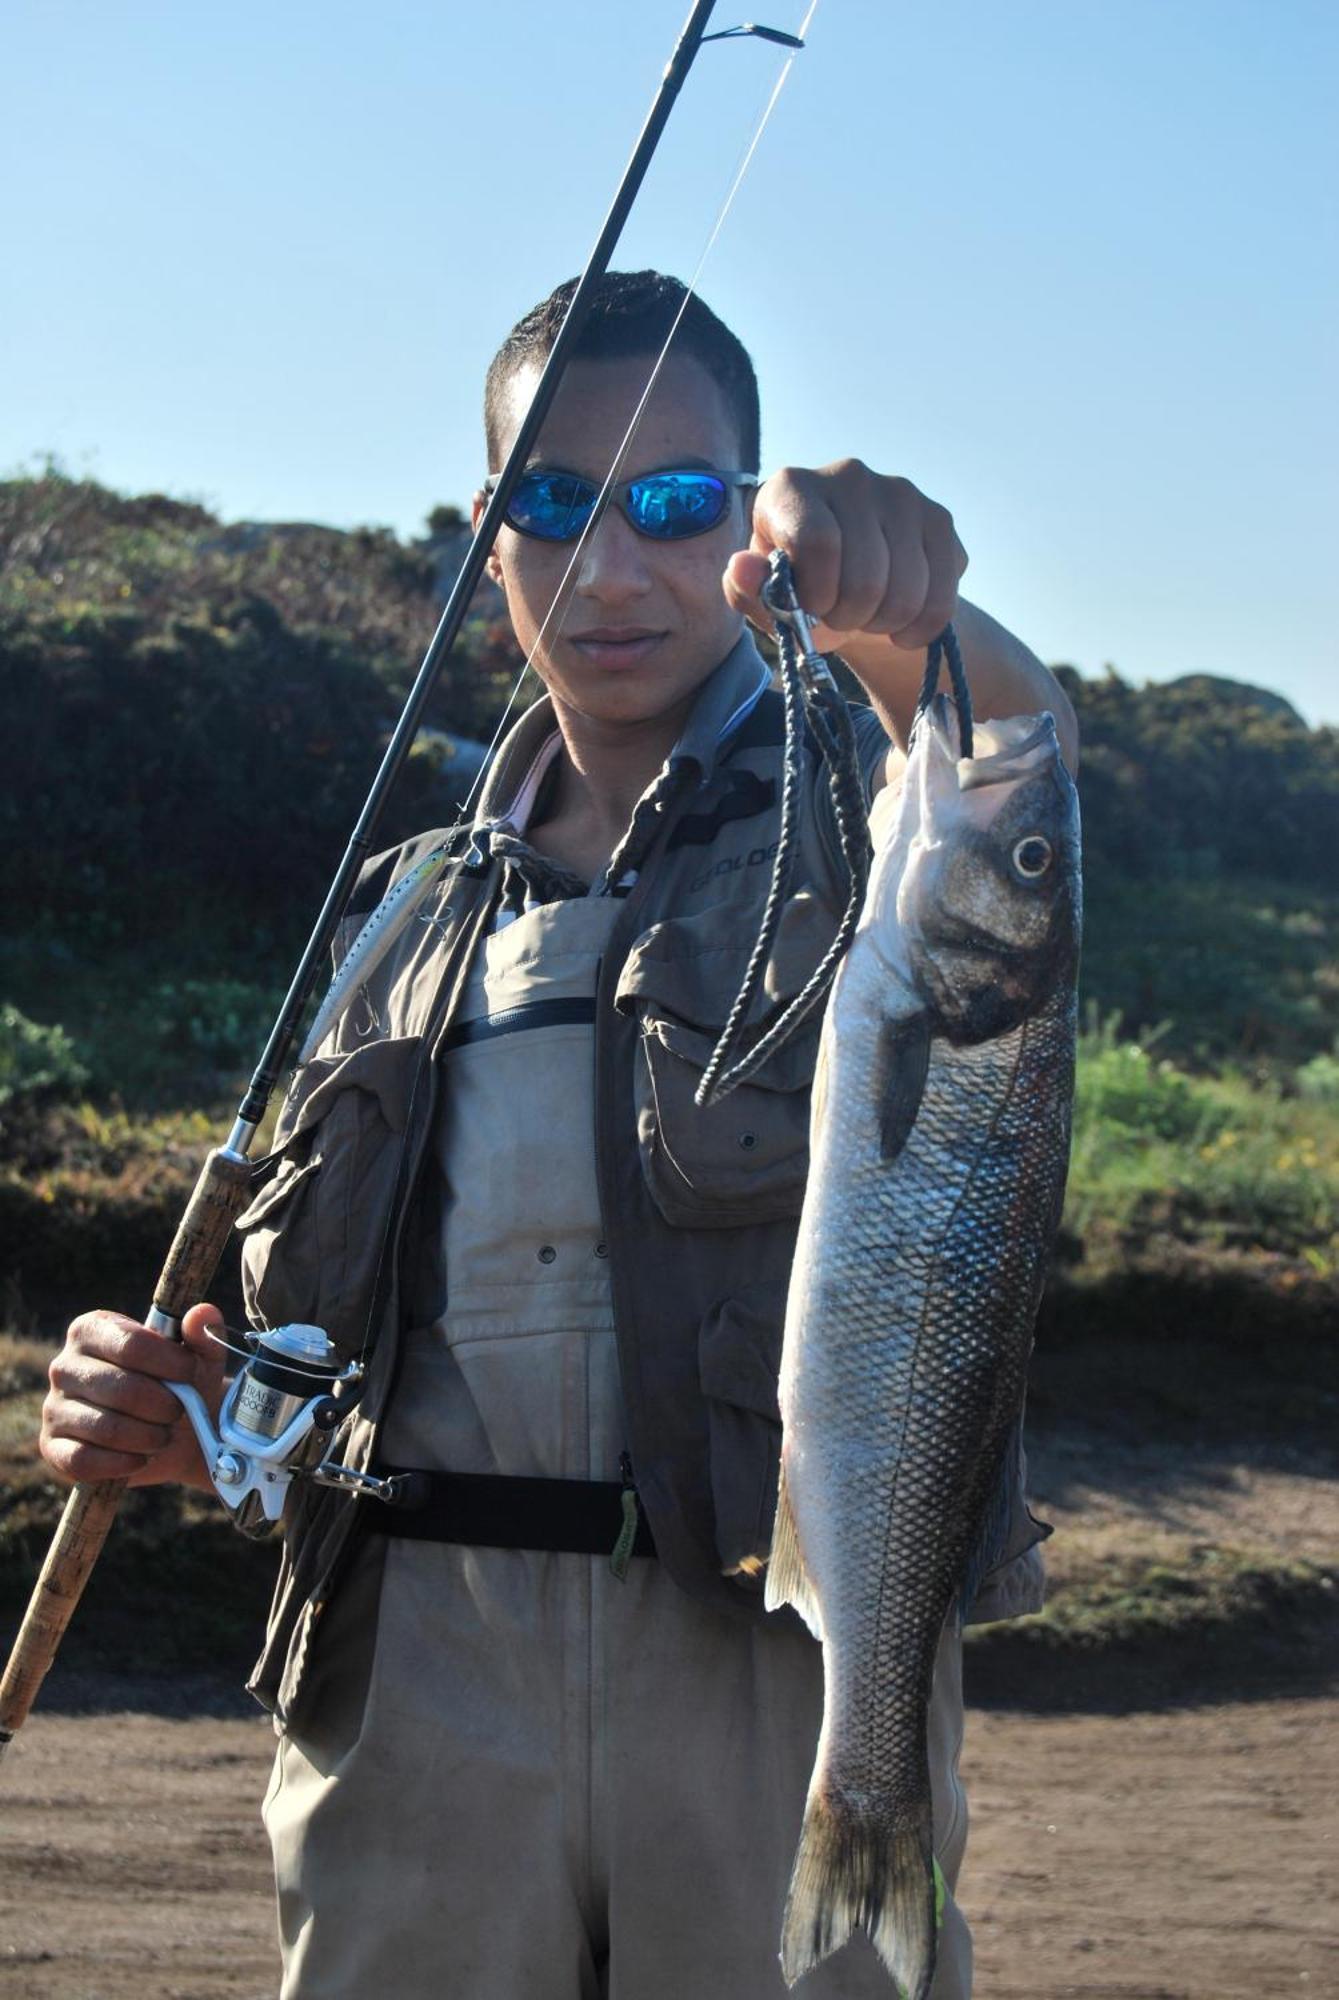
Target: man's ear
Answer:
pixel 494 563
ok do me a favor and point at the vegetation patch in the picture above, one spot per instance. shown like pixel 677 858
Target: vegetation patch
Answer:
pixel 91 1201
pixel 1136 1599
pixel 36 1062
pixel 1192 1622
pixel 1230 1159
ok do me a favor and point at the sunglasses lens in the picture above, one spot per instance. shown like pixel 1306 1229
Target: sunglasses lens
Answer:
pixel 553 505
pixel 672 505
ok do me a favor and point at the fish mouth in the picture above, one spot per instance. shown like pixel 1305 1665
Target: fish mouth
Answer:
pixel 1003 749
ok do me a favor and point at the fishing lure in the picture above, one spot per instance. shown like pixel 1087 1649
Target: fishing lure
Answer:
pixel 373 941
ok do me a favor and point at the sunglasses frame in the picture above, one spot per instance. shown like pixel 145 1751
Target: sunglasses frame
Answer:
pixel 618 496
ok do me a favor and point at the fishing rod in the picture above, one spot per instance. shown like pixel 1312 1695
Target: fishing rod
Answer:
pixel 278 1417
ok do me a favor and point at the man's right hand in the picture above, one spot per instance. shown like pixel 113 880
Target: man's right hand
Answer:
pixel 107 1414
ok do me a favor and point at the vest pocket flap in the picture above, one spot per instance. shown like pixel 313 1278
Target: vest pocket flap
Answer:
pixel 694 966
pixel 277 1191
pixel 791 1067
pixel 313 1238
pixel 682 999
pixel 739 1350
pixel 744 1158
pixel 383 1068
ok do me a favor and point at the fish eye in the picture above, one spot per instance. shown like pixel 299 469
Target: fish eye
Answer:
pixel 1032 857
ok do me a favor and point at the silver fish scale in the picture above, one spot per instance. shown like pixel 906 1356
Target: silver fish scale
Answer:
pixel 931 1266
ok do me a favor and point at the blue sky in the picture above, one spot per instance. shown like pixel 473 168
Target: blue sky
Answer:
pixel 1070 267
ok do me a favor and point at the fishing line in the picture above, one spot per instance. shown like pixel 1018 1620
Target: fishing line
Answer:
pixel 602 500
pixel 247 1351
pixel 368 949
pixel 335 1004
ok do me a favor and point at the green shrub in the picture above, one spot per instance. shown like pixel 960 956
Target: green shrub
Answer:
pixel 36 1062
pixel 223 1021
pixel 1226 1159
pixel 1123 1083
pixel 1319 1079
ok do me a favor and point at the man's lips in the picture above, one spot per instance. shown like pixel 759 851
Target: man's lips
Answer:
pixel 616 645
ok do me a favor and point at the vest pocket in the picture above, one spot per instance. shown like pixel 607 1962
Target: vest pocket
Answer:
pixel 739 1356
pixel 312 1238
pixel 745 1158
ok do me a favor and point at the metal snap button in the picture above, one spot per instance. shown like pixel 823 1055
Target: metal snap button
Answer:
pixel 547 1253
pixel 748 1140
pixel 602 1249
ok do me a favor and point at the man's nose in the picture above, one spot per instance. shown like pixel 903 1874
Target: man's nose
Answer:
pixel 613 564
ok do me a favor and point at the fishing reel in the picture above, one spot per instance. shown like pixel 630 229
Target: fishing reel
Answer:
pixel 277 1422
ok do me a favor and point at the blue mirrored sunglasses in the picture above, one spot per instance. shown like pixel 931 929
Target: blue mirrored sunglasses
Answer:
pixel 667 506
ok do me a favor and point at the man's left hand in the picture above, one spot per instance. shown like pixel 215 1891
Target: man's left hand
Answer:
pixel 871 555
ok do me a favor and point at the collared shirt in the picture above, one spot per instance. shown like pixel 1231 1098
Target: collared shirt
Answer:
pixel 532 879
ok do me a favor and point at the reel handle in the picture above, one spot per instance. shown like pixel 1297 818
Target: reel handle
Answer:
pixel 202 1235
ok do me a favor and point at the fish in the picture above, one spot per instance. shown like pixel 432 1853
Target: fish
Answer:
pixel 939 1147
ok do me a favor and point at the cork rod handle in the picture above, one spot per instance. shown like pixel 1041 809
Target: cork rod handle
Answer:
pixel 202 1234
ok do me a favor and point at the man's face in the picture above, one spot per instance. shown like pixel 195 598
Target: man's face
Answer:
pixel 642 622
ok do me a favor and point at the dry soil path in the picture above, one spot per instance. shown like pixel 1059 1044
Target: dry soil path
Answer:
pixel 1186 1855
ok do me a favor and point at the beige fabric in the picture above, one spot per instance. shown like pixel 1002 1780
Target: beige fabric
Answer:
pixel 517 1778
pixel 560 1787
pixel 519 1374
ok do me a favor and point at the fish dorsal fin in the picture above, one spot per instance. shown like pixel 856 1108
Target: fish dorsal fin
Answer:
pixel 906 1060
pixel 787 1578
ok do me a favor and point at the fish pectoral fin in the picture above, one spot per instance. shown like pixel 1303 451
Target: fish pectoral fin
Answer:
pixel 905 1052
pixel 787 1578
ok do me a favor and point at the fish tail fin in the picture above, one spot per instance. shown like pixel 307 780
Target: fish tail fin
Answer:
pixel 787 1578
pixel 851 1874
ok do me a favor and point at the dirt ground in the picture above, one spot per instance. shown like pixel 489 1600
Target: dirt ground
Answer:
pixel 1187 1855
pixel 1178 1853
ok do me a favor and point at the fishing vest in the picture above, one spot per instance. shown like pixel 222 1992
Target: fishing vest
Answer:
pixel 699 1207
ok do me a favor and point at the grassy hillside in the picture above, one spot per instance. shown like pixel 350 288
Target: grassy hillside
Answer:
pixel 201 703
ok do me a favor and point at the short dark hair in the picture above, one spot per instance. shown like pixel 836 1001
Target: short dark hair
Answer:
pixel 631 314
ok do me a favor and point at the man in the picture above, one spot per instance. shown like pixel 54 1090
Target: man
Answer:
pixel 523 1753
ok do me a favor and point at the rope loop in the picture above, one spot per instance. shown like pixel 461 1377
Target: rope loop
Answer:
pixel 814 701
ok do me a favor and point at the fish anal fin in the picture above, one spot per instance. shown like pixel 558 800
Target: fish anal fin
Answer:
pixel 854 1873
pixel 787 1578
pixel 905 1052
pixel 990 1544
